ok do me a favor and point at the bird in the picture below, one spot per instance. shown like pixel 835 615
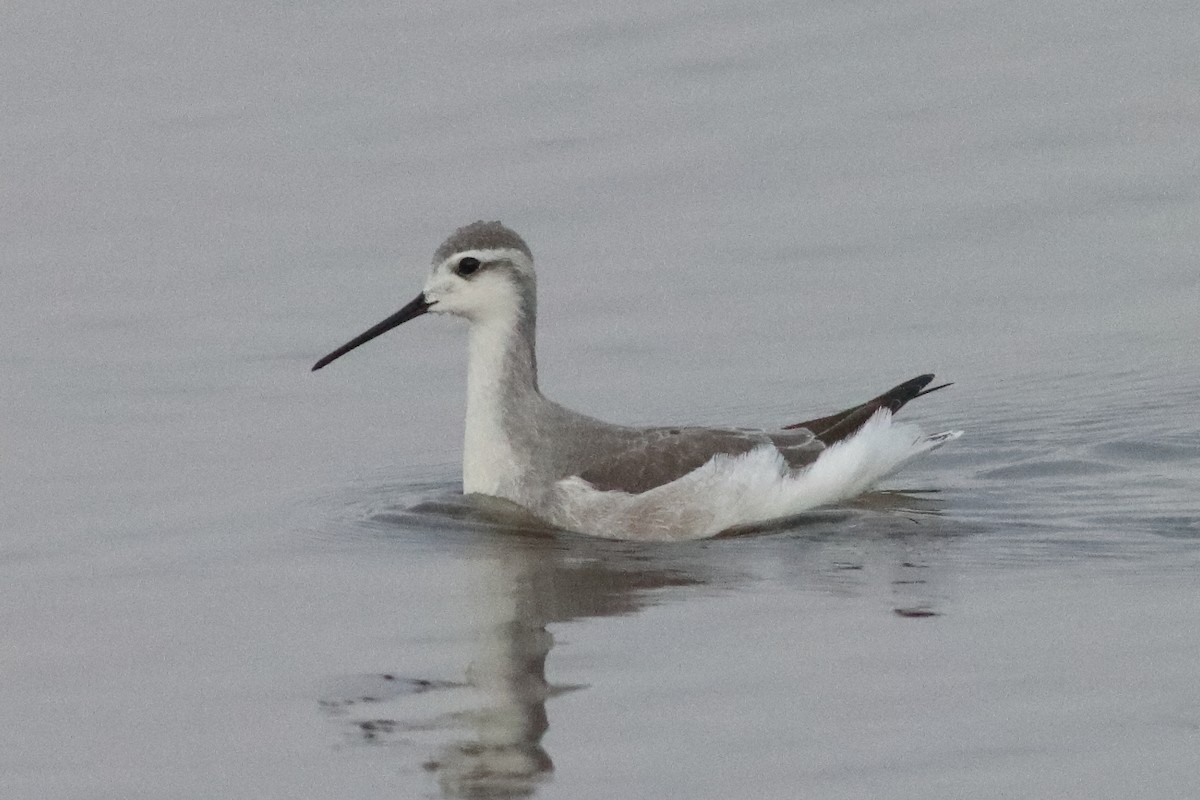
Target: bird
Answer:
pixel 662 483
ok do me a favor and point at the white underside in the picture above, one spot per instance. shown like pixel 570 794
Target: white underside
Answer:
pixel 730 491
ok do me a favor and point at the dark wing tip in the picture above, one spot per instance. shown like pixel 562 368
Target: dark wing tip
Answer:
pixel 924 392
pixel 836 427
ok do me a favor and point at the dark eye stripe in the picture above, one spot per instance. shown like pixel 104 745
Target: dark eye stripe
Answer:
pixel 467 265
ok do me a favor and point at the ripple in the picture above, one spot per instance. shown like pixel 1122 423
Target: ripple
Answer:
pixel 1056 468
pixel 1147 451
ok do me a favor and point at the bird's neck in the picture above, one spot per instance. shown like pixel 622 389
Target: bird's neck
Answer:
pixel 501 391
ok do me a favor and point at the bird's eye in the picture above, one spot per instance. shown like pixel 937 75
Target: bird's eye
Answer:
pixel 467 265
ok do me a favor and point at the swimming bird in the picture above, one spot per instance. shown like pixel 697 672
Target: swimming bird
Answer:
pixel 653 483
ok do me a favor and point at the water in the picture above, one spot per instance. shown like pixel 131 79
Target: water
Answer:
pixel 212 560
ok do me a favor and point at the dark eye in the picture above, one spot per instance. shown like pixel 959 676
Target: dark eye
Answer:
pixel 467 265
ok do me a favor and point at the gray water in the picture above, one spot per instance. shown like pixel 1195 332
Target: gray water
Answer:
pixel 223 576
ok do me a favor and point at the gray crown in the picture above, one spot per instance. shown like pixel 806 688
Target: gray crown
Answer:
pixel 481 236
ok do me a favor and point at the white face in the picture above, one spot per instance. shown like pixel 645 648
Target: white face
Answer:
pixel 478 284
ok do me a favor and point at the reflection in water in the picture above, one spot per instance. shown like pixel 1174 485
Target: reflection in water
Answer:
pixel 527 578
pixel 504 757
pixel 528 584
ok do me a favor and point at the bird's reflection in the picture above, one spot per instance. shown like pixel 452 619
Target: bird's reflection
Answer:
pixel 527 578
pixel 528 583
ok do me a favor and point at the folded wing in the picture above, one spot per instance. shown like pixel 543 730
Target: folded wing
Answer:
pixel 663 455
pixel 659 456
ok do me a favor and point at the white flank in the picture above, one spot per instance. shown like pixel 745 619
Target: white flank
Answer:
pixel 740 490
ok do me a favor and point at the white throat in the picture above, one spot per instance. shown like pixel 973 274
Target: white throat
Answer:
pixel 490 464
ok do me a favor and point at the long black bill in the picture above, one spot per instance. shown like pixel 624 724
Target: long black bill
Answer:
pixel 411 311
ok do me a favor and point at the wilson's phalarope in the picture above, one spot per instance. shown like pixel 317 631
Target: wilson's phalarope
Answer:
pixel 580 473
